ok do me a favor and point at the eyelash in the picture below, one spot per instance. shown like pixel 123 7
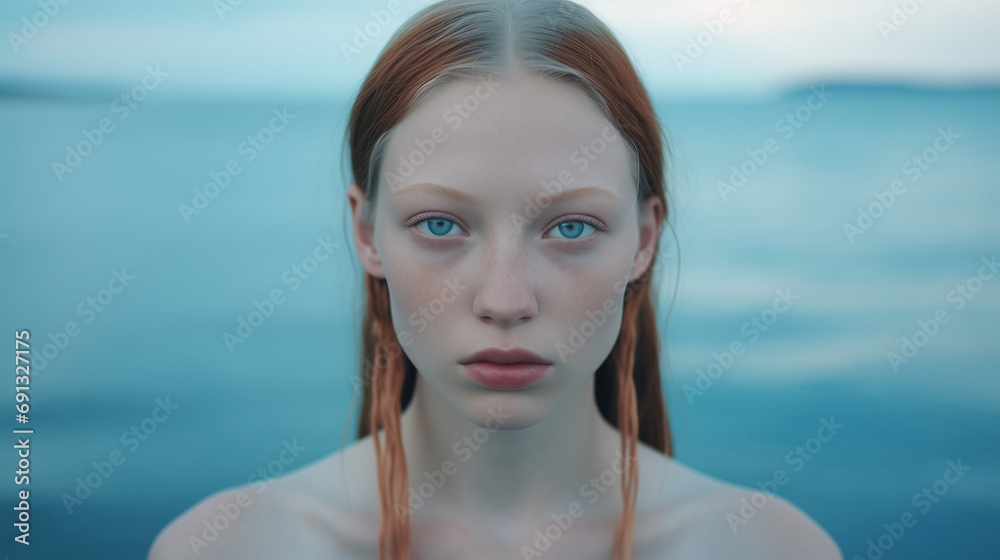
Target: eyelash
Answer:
pixel 420 218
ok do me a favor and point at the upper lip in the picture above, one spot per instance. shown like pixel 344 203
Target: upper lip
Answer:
pixel 512 356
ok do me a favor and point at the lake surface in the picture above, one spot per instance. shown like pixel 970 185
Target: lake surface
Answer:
pixel 850 299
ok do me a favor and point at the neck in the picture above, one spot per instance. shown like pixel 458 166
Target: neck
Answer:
pixel 511 474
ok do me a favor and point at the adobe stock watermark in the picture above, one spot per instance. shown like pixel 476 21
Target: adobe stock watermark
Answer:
pixel 914 169
pixel 597 318
pixel 927 329
pixel 454 116
pixel 88 309
pixel 260 480
pixel 563 11
pixel 31 27
pixel 463 449
pixel 122 107
pixel 364 34
pixel 293 277
pixel 796 458
pixel 383 355
pixel 924 501
pixel 581 158
pixel 249 149
pixel 752 330
pixel 422 319
pixel 898 17
pixel 562 521
pixel 714 28
pixel 225 7
pixel 758 157
pixel 131 440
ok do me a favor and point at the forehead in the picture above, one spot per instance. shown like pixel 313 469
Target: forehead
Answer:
pixel 507 134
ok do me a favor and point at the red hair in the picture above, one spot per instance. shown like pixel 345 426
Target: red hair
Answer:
pixel 468 38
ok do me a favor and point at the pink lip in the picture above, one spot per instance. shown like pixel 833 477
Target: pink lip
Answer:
pixel 505 376
pixel 494 368
pixel 512 356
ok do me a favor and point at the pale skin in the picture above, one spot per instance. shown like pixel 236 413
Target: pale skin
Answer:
pixel 520 460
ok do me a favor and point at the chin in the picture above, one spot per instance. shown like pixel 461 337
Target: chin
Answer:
pixel 499 410
pixel 506 410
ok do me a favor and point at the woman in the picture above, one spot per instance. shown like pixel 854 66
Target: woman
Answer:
pixel 507 205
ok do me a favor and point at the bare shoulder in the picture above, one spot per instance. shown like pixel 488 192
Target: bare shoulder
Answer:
pixel 306 513
pixel 221 525
pixel 695 515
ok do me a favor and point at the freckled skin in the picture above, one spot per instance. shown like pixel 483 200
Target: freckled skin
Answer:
pixel 475 281
pixel 523 289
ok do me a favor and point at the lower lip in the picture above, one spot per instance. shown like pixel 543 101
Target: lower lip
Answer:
pixel 505 376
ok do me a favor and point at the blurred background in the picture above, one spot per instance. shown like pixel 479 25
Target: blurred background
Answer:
pixel 166 166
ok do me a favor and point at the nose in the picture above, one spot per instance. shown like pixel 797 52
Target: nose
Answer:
pixel 506 287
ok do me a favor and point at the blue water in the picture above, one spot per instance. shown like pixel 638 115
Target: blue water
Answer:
pixel 825 357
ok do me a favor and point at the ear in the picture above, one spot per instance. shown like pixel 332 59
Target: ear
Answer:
pixel 364 236
pixel 650 224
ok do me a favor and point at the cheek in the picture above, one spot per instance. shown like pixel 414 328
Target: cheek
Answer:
pixel 589 312
pixel 422 297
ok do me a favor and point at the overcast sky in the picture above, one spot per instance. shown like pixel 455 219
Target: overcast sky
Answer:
pixel 297 48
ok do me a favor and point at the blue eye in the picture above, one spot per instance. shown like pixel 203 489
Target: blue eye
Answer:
pixel 437 226
pixel 573 229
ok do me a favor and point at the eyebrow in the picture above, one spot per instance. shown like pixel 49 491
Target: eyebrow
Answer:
pixel 462 196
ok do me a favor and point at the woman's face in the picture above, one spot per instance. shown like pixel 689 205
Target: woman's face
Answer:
pixel 477 254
